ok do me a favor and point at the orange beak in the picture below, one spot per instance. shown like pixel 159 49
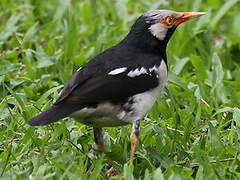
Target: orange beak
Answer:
pixel 186 16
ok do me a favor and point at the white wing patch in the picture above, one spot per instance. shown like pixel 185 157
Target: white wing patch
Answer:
pixel 154 68
pixel 79 69
pixel 138 72
pixel 135 72
pixel 117 71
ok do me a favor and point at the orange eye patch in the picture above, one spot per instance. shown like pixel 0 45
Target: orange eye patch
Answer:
pixel 168 21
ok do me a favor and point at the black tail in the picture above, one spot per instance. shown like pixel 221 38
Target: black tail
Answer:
pixel 53 114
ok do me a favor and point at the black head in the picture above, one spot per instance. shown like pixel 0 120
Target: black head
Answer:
pixel 153 29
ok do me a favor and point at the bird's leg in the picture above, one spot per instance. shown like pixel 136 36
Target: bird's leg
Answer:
pixel 99 139
pixel 99 142
pixel 134 137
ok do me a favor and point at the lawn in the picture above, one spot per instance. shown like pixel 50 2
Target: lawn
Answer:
pixel 193 130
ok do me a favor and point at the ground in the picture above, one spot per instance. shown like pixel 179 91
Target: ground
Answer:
pixel 193 130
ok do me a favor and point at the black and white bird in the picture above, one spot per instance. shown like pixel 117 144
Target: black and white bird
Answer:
pixel 120 85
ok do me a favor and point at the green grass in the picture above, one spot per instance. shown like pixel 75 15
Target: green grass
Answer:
pixel 193 131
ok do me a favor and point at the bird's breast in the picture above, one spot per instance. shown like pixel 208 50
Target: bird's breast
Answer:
pixel 143 102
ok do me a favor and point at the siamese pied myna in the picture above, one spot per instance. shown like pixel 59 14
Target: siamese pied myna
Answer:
pixel 120 85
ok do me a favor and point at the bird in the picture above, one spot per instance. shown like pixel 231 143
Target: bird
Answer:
pixel 120 85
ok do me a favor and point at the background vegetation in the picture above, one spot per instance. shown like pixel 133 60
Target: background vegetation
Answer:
pixel 193 131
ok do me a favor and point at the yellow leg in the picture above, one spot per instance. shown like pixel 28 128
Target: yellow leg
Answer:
pixel 134 140
pixel 134 137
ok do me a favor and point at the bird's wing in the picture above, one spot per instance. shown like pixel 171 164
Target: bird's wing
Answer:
pixel 90 86
pixel 78 79
pixel 95 85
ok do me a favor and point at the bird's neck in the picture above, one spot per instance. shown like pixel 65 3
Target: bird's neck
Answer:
pixel 147 43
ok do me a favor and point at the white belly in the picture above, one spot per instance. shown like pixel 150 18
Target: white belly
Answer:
pixel 109 115
pixel 104 115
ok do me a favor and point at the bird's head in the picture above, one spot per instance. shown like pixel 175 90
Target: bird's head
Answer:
pixel 162 23
pixel 158 25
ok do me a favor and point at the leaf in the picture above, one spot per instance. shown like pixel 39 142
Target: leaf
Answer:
pixel 215 140
pixel 225 8
pixel 204 20
pixel 70 36
pixel 187 129
pixel 236 116
pixel 173 78
pixel 147 175
pixel 178 67
pixel 158 175
pixel 217 69
pixel 43 59
pixel 20 101
pixel 200 69
pixel 98 167
pixel 28 62
pixel 196 5
pixel 86 12
pixel 61 9
pixel 160 157
pixel 5 69
pixel 200 174
pixel 41 171
pixel 30 34
pixel 217 79
pixel 226 109
pixel 10 27
pixel 127 173
pixel 43 98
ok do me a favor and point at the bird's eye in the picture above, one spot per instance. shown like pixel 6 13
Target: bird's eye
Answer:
pixel 169 20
